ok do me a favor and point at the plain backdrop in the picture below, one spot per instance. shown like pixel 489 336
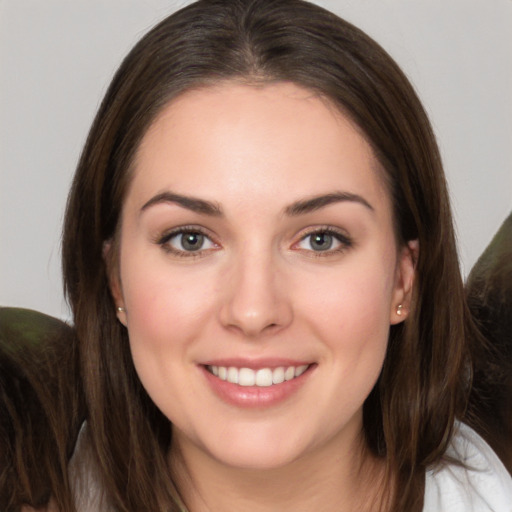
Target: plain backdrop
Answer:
pixel 57 57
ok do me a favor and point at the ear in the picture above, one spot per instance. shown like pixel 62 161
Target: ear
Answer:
pixel 404 282
pixel 110 256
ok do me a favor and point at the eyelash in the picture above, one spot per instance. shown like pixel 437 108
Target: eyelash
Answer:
pixel 340 237
pixel 164 240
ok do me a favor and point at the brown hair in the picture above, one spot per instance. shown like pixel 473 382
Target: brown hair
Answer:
pixel 408 417
pixel 41 408
pixel 489 297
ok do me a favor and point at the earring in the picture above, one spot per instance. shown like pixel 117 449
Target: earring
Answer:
pixel 399 309
pixel 121 309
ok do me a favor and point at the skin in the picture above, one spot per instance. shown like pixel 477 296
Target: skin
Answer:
pixel 258 288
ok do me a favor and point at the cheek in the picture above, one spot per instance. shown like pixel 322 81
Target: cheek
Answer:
pixel 166 314
pixel 166 306
pixel 353 299
pixel 350 313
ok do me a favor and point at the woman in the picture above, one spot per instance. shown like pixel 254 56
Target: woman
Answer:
pixel 243 349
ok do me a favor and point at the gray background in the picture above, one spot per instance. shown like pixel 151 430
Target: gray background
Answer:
pixel 57 57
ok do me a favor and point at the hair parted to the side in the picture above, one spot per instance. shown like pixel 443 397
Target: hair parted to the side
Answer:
pixel 409 415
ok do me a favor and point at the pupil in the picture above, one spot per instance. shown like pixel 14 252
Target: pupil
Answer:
pixel 321 242
pixel 192 241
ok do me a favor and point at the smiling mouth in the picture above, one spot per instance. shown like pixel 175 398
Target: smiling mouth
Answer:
pixel 264 377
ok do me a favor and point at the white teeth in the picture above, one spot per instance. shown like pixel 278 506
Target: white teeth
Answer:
pixel 246 377
pixel 289 373
pixel 300 370
pixel 278 375
pixel 263 377
pixel 232 375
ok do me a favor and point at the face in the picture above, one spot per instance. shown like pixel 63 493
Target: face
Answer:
pixel 259 272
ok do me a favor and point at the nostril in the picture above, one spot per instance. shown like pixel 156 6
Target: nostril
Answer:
pixel 253 307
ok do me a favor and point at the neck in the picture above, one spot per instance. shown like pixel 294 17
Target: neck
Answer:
pixel 329 479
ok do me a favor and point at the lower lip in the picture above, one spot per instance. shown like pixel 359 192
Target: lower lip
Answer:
pixel 255 396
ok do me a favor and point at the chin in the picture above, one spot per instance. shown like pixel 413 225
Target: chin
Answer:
pixel 253 448
pixel 263 459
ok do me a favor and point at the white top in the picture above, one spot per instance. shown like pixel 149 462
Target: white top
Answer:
pixel 481 485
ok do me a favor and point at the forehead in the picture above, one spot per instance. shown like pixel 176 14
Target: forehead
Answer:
pixel 222 138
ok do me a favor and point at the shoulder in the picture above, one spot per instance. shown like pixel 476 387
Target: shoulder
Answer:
pixel 480 483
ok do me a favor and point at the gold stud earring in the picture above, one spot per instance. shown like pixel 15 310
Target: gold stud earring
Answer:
pixel 121 309
pixel 399 309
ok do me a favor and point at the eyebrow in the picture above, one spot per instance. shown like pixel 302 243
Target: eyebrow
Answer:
pixel 317 202
pixel 190 203
pixel 301 207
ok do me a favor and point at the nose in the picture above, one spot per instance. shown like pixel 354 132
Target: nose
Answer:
pixel 256 297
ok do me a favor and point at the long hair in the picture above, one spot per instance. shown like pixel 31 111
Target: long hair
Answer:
pixel 489 297
pixel 409 415
pixel 41 409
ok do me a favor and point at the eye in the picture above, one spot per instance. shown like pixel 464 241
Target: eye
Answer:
pixel 186 242
pixel 324 241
